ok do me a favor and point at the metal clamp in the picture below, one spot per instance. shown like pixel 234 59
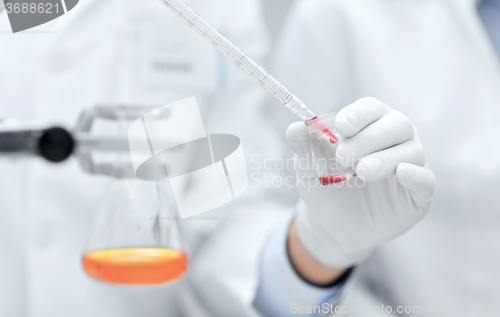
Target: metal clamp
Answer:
pixel 88 144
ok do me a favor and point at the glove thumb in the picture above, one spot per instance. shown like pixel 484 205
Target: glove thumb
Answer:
pixel 298 139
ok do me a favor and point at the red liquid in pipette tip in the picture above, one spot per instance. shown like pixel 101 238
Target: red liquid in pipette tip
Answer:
pixel 325 130
pixel 334 179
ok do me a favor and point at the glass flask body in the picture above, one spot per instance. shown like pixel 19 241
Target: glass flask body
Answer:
pixel 135 239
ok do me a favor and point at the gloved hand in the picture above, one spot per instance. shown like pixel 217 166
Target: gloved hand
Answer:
pixel 340 225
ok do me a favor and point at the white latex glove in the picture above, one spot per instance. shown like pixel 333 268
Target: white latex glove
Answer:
pixel 340 225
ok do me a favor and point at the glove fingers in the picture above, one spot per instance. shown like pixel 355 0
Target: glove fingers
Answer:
pixel 382 164
pixel 390 130
pixel 355 117
pixel 419 180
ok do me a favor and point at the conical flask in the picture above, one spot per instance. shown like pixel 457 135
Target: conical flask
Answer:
pixel 135 238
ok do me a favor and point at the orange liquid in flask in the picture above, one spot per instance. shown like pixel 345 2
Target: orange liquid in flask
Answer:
pixel 136 266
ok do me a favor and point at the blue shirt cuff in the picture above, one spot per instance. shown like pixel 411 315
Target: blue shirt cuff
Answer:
pixel 281 291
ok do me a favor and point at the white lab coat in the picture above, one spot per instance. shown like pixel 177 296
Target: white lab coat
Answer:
pixel 99 53
pixel 433 61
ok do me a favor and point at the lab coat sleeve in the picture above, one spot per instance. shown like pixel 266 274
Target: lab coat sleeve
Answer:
pixel 281 291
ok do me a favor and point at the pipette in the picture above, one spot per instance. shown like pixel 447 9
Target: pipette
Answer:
pixel 241 59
